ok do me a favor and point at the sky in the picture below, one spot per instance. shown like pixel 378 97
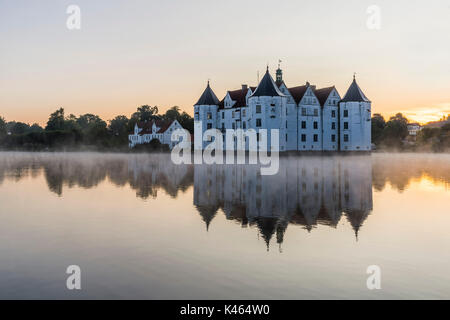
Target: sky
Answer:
pixel 133 52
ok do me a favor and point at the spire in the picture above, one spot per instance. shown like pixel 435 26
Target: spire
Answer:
pixel 267 87
pixel 208 98
pixel 279 75
pixel 354 93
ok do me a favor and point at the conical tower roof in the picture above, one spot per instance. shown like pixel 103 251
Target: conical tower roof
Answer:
pixel 208 98
pixel 354 93
pixel 267 87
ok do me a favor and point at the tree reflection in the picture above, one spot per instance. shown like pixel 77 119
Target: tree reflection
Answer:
pixel 307 191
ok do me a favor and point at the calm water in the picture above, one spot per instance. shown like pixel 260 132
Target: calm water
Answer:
pixel 141 227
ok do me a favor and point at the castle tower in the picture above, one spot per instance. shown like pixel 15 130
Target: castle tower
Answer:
pixel 267 107
pixel 205 115
pixel 355 120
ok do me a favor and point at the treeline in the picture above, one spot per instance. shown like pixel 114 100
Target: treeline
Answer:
pixel 85 132
pixel 393 135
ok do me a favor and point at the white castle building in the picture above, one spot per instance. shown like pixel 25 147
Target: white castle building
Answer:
pixel 308 119
pixel 146 131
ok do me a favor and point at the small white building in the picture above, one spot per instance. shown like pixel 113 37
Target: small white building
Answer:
pixel 146 131
pixel 413 129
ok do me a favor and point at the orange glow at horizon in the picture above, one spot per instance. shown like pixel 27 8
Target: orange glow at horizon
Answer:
pixel 162 54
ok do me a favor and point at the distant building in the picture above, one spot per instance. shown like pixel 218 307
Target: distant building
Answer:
pixel 146 131
pixel 413 129
pixel 308 119
pixel 437 124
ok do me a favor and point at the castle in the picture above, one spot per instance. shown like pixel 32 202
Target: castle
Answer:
pixel 308 119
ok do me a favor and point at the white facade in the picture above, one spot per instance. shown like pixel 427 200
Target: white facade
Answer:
pixel 308 119
pixel 144 132
pixel 414 128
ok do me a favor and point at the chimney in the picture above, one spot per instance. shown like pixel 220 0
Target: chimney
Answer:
pixel 244 87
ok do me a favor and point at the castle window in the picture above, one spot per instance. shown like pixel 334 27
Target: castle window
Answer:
pixel 333 138
pixel 304 112
pixel 333 125
pixel 258 122
pixel 345 125
pixel 243 112
pixel 333 113
pixel 345 137
pixel 315 125
pixel 233 125
pixel 209 126
pixel 346 113
pixel 316 112
pixel 244 125
pixel 316 138
pixel 303 124
pixel 303 137
pixel 209 115
pixel 258 108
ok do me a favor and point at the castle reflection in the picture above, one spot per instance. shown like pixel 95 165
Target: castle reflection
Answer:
pixel 307 191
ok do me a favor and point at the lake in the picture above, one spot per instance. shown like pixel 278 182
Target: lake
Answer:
pixel 141 227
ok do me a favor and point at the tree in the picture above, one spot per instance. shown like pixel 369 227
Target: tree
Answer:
pixel 2 126
pixel 119 126
pixel 36 128
pixel 395 131
pixel 147 113
pixel 56 121
pixel 378 125
pixel 186 122
pixel 172 114
pixel 93 128
pixel 184 118
pixel 19 128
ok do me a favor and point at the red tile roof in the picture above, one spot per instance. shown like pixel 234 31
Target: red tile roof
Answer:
pixel 298 92
pixel 323 94
pixel 146 126
pixel 238 96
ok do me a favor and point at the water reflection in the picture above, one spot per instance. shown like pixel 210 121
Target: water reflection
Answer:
pixel 307 191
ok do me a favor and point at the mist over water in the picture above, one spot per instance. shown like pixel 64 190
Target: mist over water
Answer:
pixel 140 226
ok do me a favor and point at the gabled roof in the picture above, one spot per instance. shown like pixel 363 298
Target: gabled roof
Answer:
pixel 238 96
pixel 354 94
pixel 146 127
pixel 298 92
pixel 208 98
pixel 323 94
pixel 267 87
